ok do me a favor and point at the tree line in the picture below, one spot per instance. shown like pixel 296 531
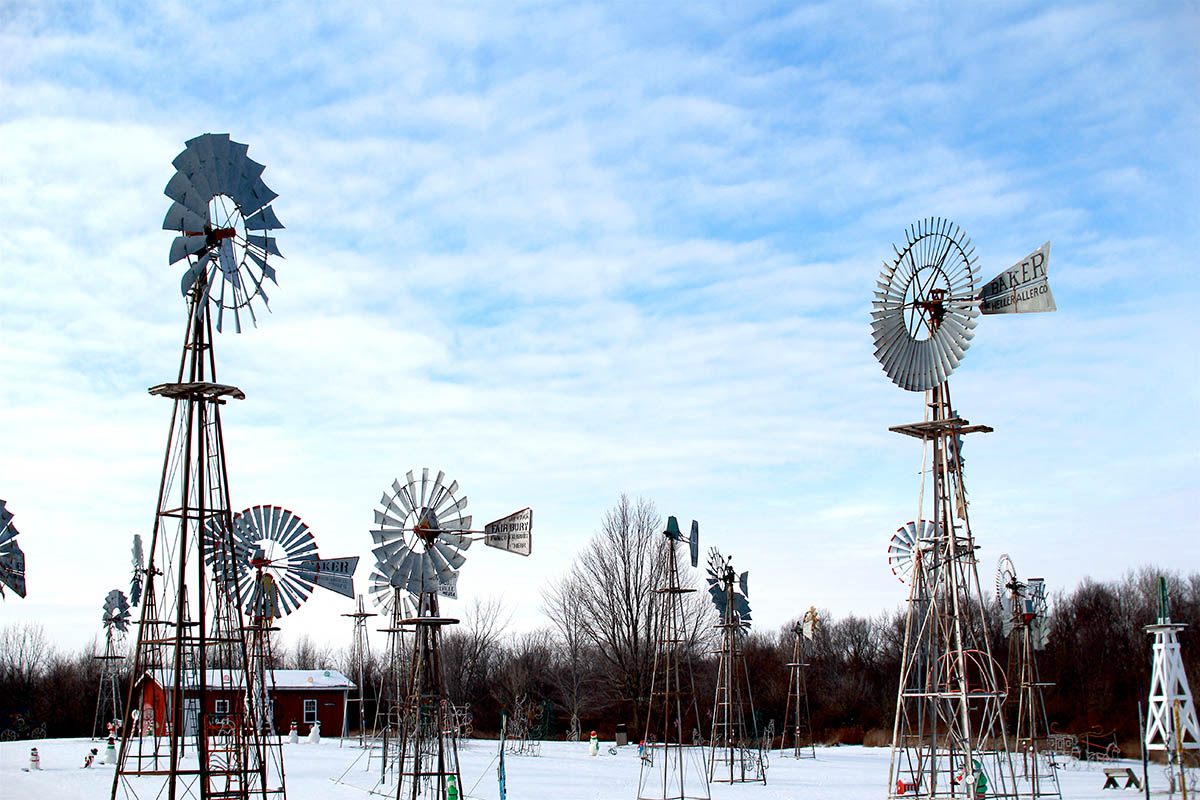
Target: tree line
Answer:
pixel 590 666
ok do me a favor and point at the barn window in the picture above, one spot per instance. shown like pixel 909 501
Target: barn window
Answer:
pixel 310 712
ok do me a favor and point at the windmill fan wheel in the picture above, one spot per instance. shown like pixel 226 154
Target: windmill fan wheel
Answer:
pixel 925 308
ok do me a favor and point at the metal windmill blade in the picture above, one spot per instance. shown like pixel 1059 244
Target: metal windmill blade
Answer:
pixel 219 199
pixel 1039 624
pixel 811 621
pixel 116 611
pixel 383 594
pixel 694 544
pixel 924 313
pixel 12 560
pixel 422 532
pixel 139 570
pixel 227 557
pixel 276 544
pixel 744 583
pixel 1009 592
pixel 904 543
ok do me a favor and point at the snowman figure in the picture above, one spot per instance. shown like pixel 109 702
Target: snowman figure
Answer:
pixel 314 733
pixel 110 751
pixel 35 761
pixel 594 745
pixel 294 733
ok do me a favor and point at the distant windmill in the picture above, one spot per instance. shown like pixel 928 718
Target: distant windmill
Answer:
pixel 673 765
pixel 797 723
pixel 1024 621
pixel 115 618
pixel 735 755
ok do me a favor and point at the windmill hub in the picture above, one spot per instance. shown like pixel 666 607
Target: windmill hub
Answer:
pixel 924 315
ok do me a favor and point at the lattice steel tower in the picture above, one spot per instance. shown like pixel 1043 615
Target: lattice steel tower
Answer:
pixel 360 657
pixel 191 638
pixel 949 737
pixel 115 618
pixel 673 767
pixel 1024 622
pixel 797 720
pixel 735 755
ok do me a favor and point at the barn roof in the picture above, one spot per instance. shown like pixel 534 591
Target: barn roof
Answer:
pixel 284 679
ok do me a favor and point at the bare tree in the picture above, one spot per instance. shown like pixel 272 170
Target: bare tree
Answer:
pixel 612 582
pixel 25 653
pixel 469 650
pixel 574 674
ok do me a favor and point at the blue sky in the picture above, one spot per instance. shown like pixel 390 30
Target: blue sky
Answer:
pixel 569 251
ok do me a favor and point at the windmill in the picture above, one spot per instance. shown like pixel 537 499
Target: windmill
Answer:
pixel 796 718
pixel 1171 722
pixel 731 758
pixel 191 620
pixel 272 571
pixel 673 768
pixel 949 732
pixel 12 560
pixel 115 619
pixel 421 534
pixel 1024 621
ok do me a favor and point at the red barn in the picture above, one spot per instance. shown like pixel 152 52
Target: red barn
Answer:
pixel 302 695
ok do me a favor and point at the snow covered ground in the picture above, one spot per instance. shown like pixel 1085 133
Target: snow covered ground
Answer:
pixel 563 771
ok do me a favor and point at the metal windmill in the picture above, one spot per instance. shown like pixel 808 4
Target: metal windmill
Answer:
pixel 191 621
pixel 733 757
pixel 797 721
pixel 360 657
pixel 12 560
pixel 115 618
pixel 1024 621
pixel 949 738
pixel 421 534
pixel 1171 722
pixel 673 767
pixel 274 567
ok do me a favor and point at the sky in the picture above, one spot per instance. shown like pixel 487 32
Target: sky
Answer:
pixel 566 252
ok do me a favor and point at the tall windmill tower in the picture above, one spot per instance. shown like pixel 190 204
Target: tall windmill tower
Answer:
pixel 1024 621
pixel 115 618
pixel 360 657
pixel 421 533
pixel 734 756
pixel 12 560
pixel 797 721
pixel 949 737
pixel 191 631
pixel 1171 724
pixel 673 768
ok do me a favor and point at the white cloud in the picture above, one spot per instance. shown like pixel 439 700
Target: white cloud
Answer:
pixel 565 254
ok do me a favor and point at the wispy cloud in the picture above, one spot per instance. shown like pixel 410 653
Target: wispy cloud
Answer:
pixel 564 252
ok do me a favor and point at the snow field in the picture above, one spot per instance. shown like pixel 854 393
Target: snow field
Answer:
pixel 563 771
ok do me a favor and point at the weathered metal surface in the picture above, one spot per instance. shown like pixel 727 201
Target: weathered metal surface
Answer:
pixel 513 533
pixel 1022 288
